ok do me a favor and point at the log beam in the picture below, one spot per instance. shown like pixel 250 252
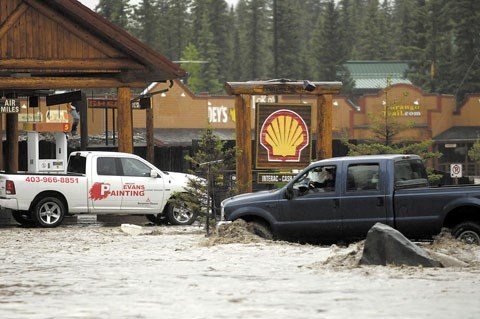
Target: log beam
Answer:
pixel 279 87
pixel 104 65
pixel 244 143
pixel 324 126
pixel 36 83
pixel 124 121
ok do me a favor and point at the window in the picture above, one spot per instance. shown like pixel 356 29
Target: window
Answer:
pixel 408 170
pixel 134 167
pixel 362 177
pixel 317 179
pixel 410 173
pixel 76 164
pixel 106 166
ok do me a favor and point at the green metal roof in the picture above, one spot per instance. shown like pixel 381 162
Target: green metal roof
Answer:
pixel 374 74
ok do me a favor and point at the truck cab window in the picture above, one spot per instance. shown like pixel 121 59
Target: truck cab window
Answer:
pixel 363 177
pixel 410 173
pixel 133 167
pixel 316 180
pixel 106 166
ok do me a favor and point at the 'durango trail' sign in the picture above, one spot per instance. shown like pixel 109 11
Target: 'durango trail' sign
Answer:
pixel 283 135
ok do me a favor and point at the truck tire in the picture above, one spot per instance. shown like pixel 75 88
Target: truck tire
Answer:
pixel 180 214
pixel 49 212
pixel 23 218
pixel 468 232
pixel 260 229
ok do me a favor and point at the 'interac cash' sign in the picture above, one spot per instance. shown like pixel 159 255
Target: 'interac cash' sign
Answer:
pixel 9 106
pixel 283 137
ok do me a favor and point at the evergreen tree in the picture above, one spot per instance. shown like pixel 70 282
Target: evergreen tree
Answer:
pixel 208 16
pixel 192 65
pixel 331 54
pixel 432 69
pixel 408 29
pixel 144 27
pixel 466 65
pixel 253 43
pixel 371 37
pixel 211 162
pixel 176 28
pixel 116 11
pixel 311 11
pixel 286 43
pixel 209 72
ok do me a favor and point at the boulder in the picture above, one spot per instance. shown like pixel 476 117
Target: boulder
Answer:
pixel 385 245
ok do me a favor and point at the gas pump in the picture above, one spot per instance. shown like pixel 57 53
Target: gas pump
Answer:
pixel 56 165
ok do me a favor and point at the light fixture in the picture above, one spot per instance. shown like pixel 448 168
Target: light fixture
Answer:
pixel 416 102
pixel 183 94
pixel 335 103
pixel 163 94
pixel 24 106
pixel 309 86
pixel 209 103
pixel 384 102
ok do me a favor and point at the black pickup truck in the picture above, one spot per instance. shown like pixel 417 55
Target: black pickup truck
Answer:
pixel 363 190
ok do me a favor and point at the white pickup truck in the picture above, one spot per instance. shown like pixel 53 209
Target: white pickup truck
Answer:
pixel 96 183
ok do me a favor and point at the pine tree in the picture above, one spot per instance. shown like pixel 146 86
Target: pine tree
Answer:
pixel 116 11
pixel 211 162
pixel 193 65
pixel 144 27
pixel 370 37
pixel 254 40
pixel 466 65
pixel 286 43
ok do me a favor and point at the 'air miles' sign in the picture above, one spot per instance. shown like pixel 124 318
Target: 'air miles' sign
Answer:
pixel 9 106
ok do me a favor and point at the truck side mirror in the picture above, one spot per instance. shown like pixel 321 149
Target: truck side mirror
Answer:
pixel 153 173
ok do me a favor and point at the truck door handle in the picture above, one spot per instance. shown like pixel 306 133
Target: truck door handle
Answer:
pixel 336 203
pixel 379 201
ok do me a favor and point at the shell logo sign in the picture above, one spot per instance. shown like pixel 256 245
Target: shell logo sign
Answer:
pixel 283 136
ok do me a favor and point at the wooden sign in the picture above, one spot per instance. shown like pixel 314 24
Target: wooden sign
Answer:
pixel 102 103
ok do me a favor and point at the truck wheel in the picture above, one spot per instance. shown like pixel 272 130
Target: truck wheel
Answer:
pixel 260 229
pixel 157 219
pixel 23 218
pixel 468 232
pixel 180 214
pixel 49 212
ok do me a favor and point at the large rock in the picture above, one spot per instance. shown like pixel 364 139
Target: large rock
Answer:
pixel 385 245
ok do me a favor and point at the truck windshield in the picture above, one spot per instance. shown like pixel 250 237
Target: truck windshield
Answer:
pixel 410 173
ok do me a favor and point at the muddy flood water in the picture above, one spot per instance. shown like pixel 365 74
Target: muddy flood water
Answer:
pixel 97 271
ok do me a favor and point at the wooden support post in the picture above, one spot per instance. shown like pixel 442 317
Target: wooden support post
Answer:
pixel 124 121
pixel 244 143
pixel 324 126
pixel 150 134
pixel 12 144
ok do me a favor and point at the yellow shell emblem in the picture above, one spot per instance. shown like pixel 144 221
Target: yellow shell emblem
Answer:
pixel 284 135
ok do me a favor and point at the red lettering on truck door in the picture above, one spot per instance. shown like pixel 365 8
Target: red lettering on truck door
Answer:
pixel 99 191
